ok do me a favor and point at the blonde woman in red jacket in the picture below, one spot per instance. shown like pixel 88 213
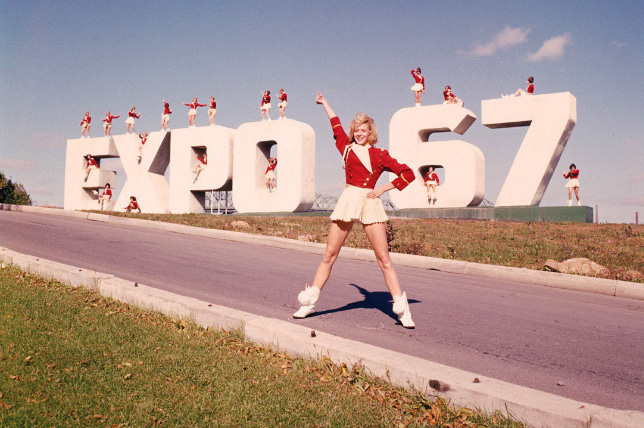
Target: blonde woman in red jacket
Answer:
pixel 360 201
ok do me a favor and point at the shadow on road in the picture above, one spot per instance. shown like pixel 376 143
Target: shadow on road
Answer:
pixel 380 300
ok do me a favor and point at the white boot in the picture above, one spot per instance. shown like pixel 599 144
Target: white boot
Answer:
pixel 401 308
pixel 417 105
pixel 578 203
pixel 570 202
pixel 307 299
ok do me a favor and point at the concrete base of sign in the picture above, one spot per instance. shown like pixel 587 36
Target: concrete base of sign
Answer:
pixel 295 170
pixel 79 193
pixel 581 214
pixel 187 187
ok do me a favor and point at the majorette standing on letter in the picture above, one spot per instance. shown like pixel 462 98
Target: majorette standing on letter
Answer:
pixel 282 104
pixel 108 122
pixel 266 105
pixel 270 174
pixel 431 182
pixel 91 164
pixel 130 120
pixel 360 201
pixel 144 139
pixel 85 124
pixel 573 183
pixel 165 117
pixel 450 98
pixel 419 86
pixel 203 163
pixel 212 110
pixel 193 110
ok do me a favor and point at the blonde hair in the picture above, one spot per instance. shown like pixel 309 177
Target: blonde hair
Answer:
pixel 361 119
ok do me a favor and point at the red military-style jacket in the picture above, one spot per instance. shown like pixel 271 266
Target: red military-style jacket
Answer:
pixel 572 174
pixel 357 174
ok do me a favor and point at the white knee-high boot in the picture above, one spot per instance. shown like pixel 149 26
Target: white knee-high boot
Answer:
pixel 307 299
pixel 401 308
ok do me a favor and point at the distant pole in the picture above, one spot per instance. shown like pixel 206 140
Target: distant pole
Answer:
pixel 637 219
pixel 596 214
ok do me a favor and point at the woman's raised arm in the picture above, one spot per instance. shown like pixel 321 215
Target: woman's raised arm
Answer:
pixel 321 100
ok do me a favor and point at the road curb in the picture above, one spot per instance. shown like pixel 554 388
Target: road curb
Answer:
pixel 534 407
pixel 609 287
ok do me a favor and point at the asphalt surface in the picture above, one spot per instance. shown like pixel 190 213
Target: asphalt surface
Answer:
pixel 583 346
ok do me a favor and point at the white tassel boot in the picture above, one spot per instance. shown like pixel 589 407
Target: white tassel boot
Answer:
pixel 401 308
pixel 307 299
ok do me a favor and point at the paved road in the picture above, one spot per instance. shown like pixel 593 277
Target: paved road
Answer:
pixel 528 335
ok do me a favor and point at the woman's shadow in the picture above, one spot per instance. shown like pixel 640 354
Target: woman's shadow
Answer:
pixel 380 300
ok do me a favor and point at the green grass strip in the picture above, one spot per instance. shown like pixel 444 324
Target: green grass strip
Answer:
pixel 70 357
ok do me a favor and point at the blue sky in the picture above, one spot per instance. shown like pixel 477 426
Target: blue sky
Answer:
pixel 58 59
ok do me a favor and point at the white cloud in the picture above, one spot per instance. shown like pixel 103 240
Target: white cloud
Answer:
pixel 17 164
pixel 618 44
pixel 505 39
pixel 552 48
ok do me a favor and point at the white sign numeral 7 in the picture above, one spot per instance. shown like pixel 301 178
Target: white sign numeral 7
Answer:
pixel 551 119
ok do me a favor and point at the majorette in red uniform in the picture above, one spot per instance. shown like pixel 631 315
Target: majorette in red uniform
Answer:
pixel 106 196
pixel 420 81
pixel 91 163
pixel 212 110
pixel 270 174
pixel 193 110
pixel 573 183
pixel 85 124
pixel 133 205
pixel 266 105
pixel 282 104
pixel 165 117
pixel 271 166
pixel 143 136
pixel 200 166
pixel 108 119
pixel 132 115
pixel 431 181
pixel 363 166
pixel 419 86
pixel 360 201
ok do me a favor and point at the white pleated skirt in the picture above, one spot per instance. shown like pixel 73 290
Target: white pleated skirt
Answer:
pixel 354 205
pixel 573 182
pixel 417 87
pixel 266 106
pixel 192 112
pixel 270 174
pixel 129 121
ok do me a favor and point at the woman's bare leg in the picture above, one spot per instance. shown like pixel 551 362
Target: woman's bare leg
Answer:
pixel 338 233
pixel 576 193
pixel 377 234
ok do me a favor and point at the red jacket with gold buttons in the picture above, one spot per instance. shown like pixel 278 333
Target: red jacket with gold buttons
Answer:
pixel 358 175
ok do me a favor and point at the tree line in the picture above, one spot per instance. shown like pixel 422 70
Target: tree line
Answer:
pixel 13 193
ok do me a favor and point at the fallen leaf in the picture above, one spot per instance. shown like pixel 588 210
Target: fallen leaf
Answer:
pixel 127 376
pixel 27 360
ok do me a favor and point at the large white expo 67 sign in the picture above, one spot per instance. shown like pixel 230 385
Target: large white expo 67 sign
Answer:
pixel 237 159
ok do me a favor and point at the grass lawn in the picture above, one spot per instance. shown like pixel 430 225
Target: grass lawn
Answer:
pixel 620 248
pixel 69 357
